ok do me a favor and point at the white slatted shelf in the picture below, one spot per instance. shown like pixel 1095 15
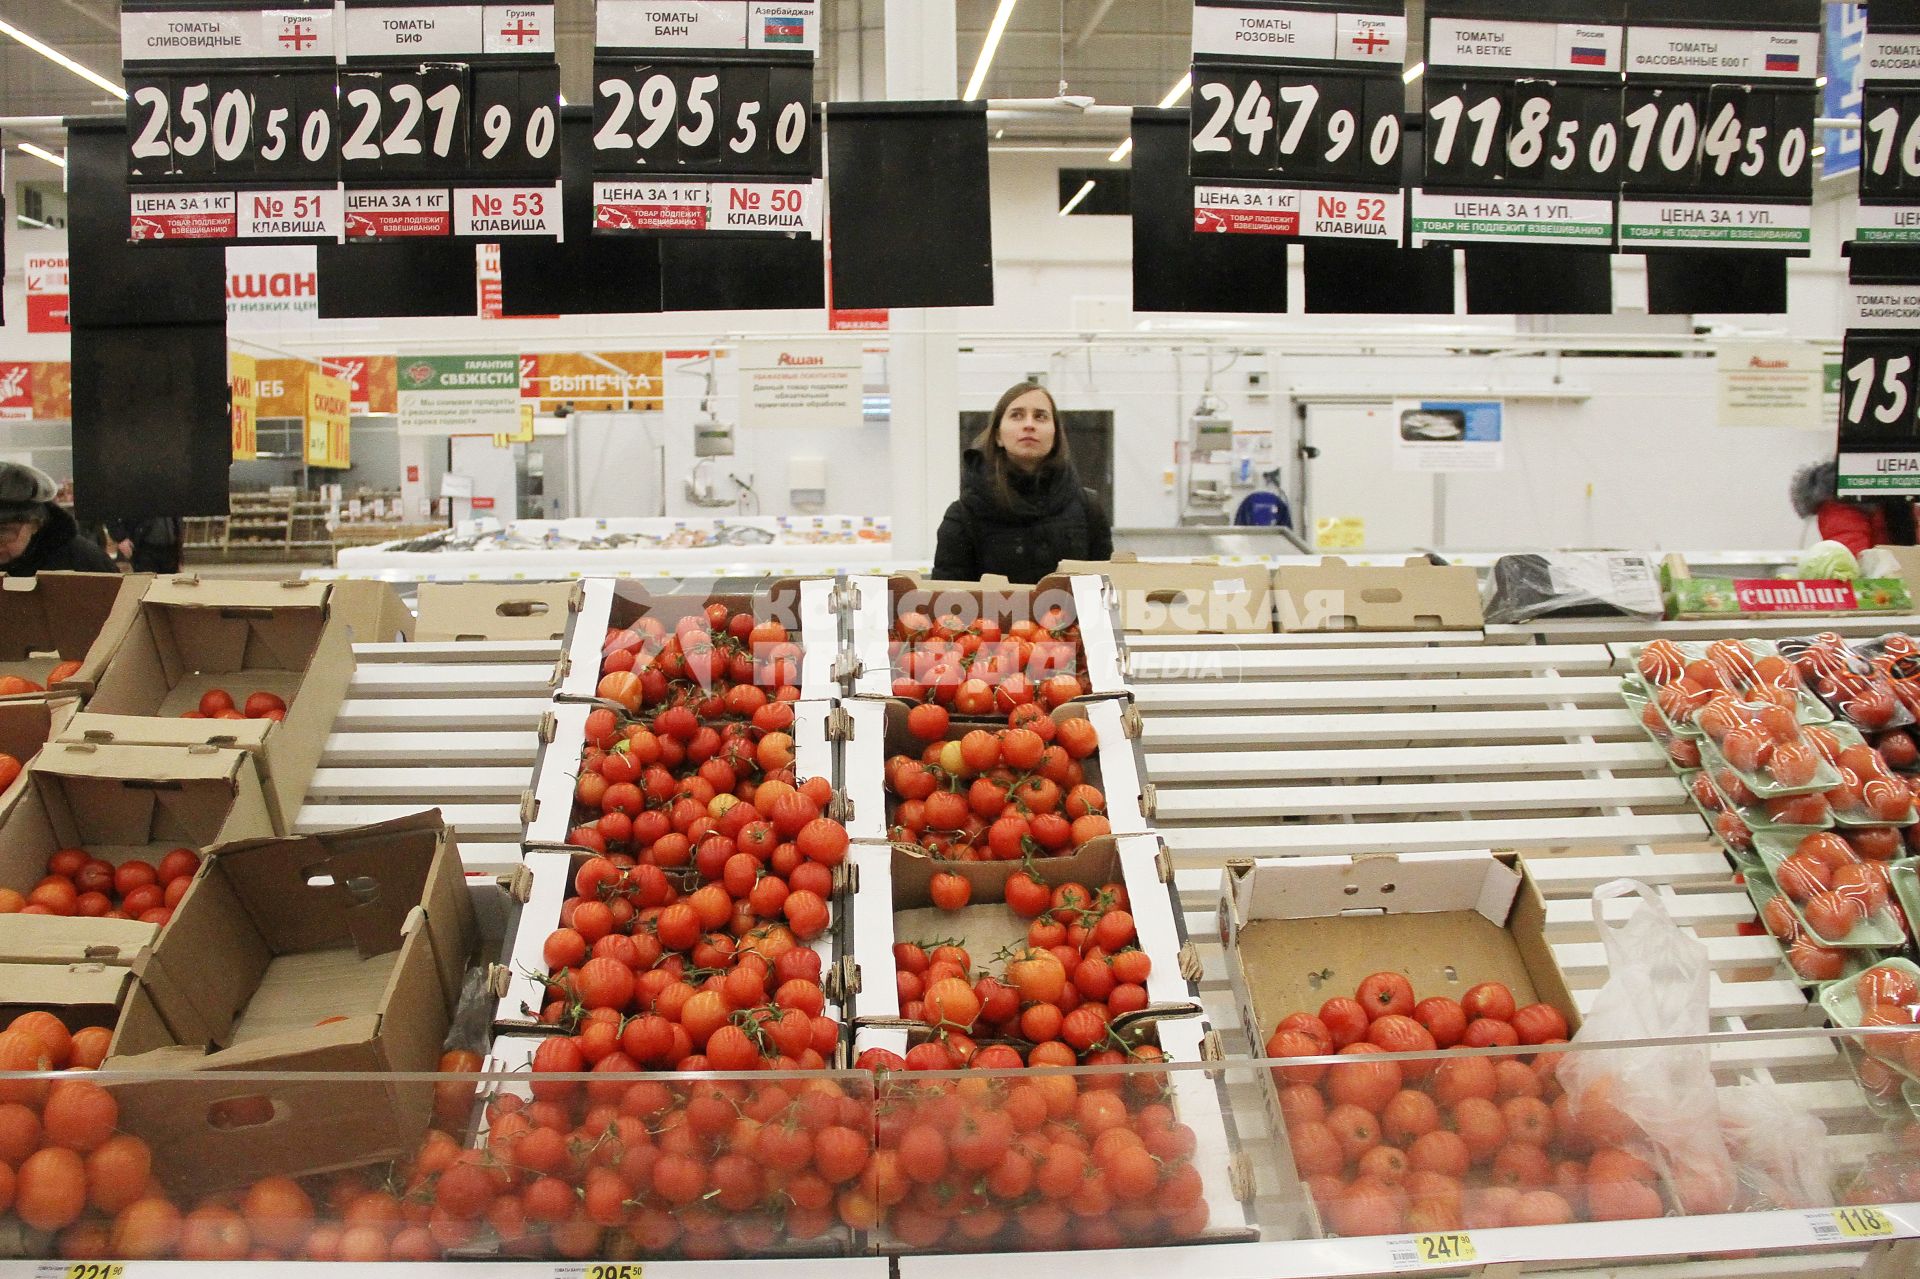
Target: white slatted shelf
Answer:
pixel 1570 876
pixel 1330 839
pixel 455 680
pixel 470 821
pixel 1144 668
pixel 1190 803
pixel 1243 698
pixel 432 784
pixel 366 714
pixel 1207 732
pixel 1171 768
pixel 1303 640
pixel 450 653
pixel 360 750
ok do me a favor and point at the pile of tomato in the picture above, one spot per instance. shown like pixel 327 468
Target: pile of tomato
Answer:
pixel 218 703
pixel 979 667
pixel 1467 1142
pixel 997 793
pixel 79 884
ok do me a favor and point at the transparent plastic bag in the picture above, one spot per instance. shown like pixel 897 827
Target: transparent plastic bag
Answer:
pixel 1658 1103
pixel 1782 1152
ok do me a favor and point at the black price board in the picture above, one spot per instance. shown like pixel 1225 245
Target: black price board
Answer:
pixel 1295 118
pixel 704 116
pixel 1890 125
pixel 449 119
pixel 1522 123
pixel 1717 124
pixel 232 124
pixel 1879 437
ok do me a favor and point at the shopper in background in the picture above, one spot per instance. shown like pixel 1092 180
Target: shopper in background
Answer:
pixel 1022 508
pixel 149 546
pixel 1859 524
pixel 37 535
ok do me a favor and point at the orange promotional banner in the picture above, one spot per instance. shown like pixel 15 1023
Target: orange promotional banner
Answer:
pixel 282 387
pixel 52 390
pixel 243 391
pixel 329 419
pixel 374 380
pixel 634 381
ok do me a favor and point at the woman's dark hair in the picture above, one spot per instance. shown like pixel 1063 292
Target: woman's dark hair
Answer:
pixel 995 454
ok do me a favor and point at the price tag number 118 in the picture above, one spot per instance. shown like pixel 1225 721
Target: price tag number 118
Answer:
pixel 1862 1223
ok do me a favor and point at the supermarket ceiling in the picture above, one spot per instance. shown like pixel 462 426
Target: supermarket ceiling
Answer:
pixel 1120 52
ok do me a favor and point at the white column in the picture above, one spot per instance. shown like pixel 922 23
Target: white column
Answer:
pixel 923 364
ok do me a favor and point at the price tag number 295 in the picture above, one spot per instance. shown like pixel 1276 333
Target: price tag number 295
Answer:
pixel 614 1270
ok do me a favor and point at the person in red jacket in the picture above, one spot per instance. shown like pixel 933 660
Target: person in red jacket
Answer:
pixel 1859 524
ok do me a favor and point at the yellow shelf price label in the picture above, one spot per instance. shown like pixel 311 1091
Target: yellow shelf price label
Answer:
pixel 1862 1223
pixel 95 1270
pixel 614 1270
pixel 1444 1248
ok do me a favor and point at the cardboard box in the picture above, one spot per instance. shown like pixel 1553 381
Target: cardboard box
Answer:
pixel 1301 930
pixel 874 729
pixel 26 725
pixel 119 803
pixel 1690 598
pixel 342 952
pixel 877 603
pixel 58 617
pixel 805 606
pixel 191 637
pixel 1417 596
pixel 373 612
pixel 1187 597
pixel 80 994
pixel 495 610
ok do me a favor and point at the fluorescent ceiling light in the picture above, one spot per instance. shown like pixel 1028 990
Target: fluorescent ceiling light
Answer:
pixel 1821 83
pixel 27 221
pixel 49 52
pixel 996 29
pixel 1818 152
pixel 1121 152
pixel 1177 92
pixel 1413 73
pixel 43 154
pixel 1086 189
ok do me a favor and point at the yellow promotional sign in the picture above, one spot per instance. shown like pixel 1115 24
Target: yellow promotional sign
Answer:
pixel 604 381
pixel 522 436
pixel 243 389
pixel 329 418
pixel 281 386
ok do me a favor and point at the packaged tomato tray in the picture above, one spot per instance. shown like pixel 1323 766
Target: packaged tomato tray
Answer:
pixel 1766 749
pixel 1812 964
pixel 1842 899
pixel 1853 685
pixel 1886 994
pixel 1683 753
pixel 1725 793
pixel 1682 677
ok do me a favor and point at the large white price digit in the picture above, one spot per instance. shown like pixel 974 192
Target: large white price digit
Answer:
pixel 497 125
pixel 360 145
pixel 791 129
pixel 1910 149
pixel 1527 144
pixel 1448 112
pixel 152 142
pixel 1793 153
pixel 1756 151
pixel 232 124
pixel 1566 147
pixel 413 105
pixel 1486 114
pixel 1861 375
pixel 747 132
pixel 1385 142
pixel 657 103
pixel 1643 123
pixel 1883 127
pixel 540 132
pixel 445 104
pixel 1722 141
pixel 1679 138
pixel 276 131
pixel 317 134
pixel 1604 146
pixel 1212 135
pixel 1303 98
pixel 1254 119
pixel 697 103
pixel 613 134
pixel 1341 126
pixel 1896 406
pixel 193 116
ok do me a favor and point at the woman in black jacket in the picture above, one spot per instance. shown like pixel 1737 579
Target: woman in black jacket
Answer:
pixel 1022 509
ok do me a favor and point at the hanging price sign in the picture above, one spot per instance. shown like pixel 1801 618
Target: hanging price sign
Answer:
pixel 1296 118
pixel 231 120
pixel 704 116
pixel 1522 123
pixel 1718 137
pixel 1890 125
pixel 449 119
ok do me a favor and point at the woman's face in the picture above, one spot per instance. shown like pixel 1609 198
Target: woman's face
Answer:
pixel 1026 429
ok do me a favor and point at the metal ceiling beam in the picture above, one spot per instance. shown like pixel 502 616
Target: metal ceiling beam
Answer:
pixel 1087 28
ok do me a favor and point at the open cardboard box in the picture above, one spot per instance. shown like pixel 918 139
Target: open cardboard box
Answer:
pixel 1301 930
pixel 119 803
pixel 548 874
pixel 875 729
pixel 806 606
pixel 66 617
pixel 342 952
pixel 79 994
pixel 451 611
pixel 1185 597
pixel 26 725
pixel 372 612
pixel 1334 595
pixel 878 602
pixel 193 636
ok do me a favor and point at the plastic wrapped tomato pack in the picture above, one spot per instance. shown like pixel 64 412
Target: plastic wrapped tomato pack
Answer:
pixel 1850 683
pixel 1765 746
pixel 1812 964
pixel 1841 899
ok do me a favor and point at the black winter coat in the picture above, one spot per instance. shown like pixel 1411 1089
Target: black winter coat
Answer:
pixel 1053 519
pixel 59 544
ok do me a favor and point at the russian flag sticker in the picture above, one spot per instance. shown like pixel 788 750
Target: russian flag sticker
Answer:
pixel 1582 56
pixel 1783 62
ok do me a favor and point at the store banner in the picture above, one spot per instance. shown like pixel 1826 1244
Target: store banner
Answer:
pixel 47 308
pixel 52 390
pixel 459 395
pixel 804 384
pixel 282 387
pixel 600 382
pixel 1778 384
pixel 371 378
pixel 1448 435
pixel 272 287
pixel 487 276
pixel 1846 42
pixel 524 435
pixel 16 392
pixel 244 395
pixel 329 419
